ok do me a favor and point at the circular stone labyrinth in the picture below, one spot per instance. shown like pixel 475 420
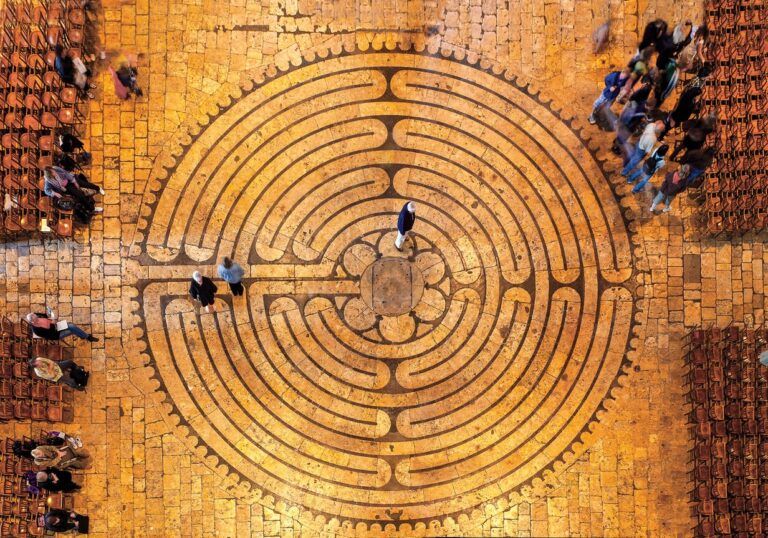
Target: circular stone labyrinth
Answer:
pixel 363 383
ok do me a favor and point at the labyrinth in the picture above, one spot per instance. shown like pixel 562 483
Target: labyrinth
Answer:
pixel 357 381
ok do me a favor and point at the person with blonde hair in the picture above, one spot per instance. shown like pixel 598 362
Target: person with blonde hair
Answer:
pixel 62 457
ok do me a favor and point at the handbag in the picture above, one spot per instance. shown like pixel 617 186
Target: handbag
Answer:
pixel 65 203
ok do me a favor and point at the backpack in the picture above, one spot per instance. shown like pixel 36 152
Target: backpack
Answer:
pixel 653 163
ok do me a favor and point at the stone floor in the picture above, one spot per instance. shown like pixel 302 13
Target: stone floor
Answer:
pixel 528 382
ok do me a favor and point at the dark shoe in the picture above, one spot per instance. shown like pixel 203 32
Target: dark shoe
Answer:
pixel 399 249
pixel 92 338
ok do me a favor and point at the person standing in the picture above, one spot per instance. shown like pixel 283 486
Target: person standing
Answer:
pixel 699 160
pixel 405 222
pixel 614 82
pixel 674 183
pixel 644 146
pixel 231 273
pixel 652 164
pixel 696 132
pixel 204 290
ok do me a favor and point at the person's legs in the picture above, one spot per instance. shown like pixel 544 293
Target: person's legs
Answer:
pixel 668 203
pixel 637 156
pixel 694 175
pixel 678 148
pixel 634 175
pixel 400 240
pixel 74 329
pixel 600 102
pixel 67 380
pixel 657 200
pixel 85 184
pixel 236 288
pixel 641 185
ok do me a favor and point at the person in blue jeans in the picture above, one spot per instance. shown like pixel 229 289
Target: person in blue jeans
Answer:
pixel 699 160
pixel 644 146
pixel 44 326
pixel 614 82
pixel 652 164
pixel 674 183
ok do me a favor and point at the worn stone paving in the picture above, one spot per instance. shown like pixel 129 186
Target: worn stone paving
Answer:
pixel 123 277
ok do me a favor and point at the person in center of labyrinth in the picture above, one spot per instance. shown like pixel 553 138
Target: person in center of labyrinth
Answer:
pixel 231 273
pixel 405 222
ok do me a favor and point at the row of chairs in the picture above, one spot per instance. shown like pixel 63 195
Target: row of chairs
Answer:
pixel 22 395
pixel 35 105
pixel 20 508
pixel 736 186
pixel 729 414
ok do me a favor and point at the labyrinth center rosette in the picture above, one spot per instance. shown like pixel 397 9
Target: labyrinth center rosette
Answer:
pixel 356 380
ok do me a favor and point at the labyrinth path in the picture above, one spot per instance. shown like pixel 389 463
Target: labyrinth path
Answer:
pixel 364 383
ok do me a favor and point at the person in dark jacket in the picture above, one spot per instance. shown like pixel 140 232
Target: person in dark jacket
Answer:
pixel 405 222
pixel 44 326
pixel 204 290
pixel 614 82
pixel 56 481
pixel 57 520
pixel 696 132
pixel 653 32
pixel 674 183
pixel 72 146
pixel 699 160
pixel 670 44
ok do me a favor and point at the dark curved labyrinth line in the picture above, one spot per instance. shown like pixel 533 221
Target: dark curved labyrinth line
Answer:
pixel 492 415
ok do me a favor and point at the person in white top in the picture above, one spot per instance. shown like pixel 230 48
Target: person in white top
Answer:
pixel 644 146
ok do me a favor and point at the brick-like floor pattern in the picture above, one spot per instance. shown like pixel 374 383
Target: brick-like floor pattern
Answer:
pixel 632 479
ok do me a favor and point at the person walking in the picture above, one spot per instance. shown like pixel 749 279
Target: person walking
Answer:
pixel 614 82
pixel 674 183
pixel 652 164
pixel 231 273
pixel 647 140
pixel 204 290
pixel 405 222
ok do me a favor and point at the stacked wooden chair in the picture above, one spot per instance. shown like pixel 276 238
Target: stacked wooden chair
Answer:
pixel 737 93
pixel 35 105
pixel 729 397
pixel 23 396
pixel 20 508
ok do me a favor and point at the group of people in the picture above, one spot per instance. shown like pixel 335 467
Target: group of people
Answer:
pixel 66 183
pixel 55 455
pixel 642 125
pixel 203 289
